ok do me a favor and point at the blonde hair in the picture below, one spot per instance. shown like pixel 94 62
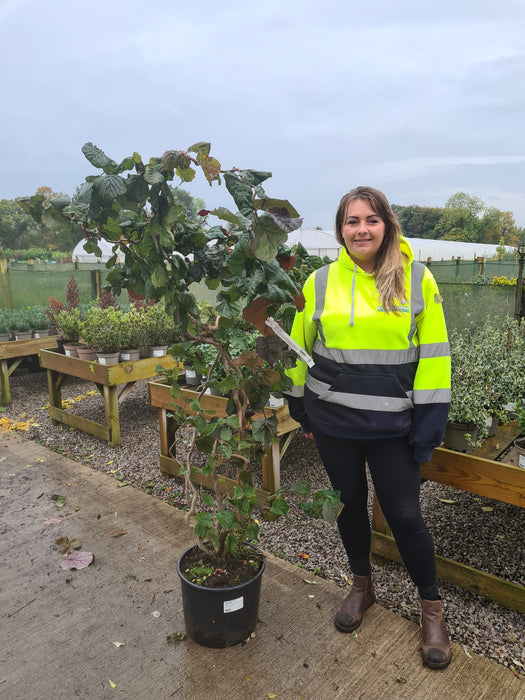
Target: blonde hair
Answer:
pixel 389 264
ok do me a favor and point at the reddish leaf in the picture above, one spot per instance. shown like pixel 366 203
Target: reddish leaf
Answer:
pixel 77 560
pixel 286 261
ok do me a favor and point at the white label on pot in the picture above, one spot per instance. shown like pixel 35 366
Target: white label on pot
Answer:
pixel 233 605
pixel 191 373
pixel 67 352
pixel 102 360
pixel 521 461
pixel 36 335
pixel 125 355
pixel 158 353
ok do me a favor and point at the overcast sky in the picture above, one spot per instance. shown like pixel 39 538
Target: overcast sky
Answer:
pixel 419 99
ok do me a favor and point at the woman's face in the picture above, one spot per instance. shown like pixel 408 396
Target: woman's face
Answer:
pixel 363 232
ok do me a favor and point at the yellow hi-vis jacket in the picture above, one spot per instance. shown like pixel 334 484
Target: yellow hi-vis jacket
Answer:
pixel 375 374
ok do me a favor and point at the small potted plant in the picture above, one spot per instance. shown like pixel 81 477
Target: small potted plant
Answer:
pixel 21 324
pixel 70 325
pixel 39 323
pixel 133 335
pixel 5 328
pixel 103 333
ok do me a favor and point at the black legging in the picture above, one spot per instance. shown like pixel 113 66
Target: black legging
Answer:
pixel 397 480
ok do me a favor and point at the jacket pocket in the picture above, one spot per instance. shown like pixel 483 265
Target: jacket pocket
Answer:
pixel 369 385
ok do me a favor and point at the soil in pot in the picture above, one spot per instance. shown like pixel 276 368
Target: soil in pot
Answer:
pixel 221 611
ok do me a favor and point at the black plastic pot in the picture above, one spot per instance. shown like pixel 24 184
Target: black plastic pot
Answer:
pixel 220 617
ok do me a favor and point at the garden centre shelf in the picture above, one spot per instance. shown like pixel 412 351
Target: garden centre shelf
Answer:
pixel 477 472
pixel 113 381
pixel 160 396
pixel 11 355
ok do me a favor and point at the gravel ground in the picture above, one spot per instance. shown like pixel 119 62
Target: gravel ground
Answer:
pixel 491 540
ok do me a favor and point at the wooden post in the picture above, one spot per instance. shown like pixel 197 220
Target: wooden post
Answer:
pixel 518 303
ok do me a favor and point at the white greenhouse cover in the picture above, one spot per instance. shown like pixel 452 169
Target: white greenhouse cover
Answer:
pixel 323 242
pixel 80 255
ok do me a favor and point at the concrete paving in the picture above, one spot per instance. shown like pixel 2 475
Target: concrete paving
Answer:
pixel 101 632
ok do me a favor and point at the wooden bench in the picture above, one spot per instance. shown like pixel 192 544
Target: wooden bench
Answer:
pixel 11 355
pixel 113 381
pixel 477 472
pixel 160 396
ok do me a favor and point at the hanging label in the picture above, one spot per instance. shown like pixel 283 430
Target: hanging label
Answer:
pixel 233 605
pixel 283 335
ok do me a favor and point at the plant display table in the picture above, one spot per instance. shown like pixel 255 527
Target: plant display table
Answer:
pixel 479 473
pixel 11 355
pixel 160 396
pixel 113 381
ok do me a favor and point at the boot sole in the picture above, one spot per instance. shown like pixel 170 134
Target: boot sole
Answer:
pixel 437 666
pixel 352 628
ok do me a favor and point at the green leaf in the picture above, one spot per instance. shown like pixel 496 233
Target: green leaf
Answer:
pixel 227 519
pixel 205 443
pixel 185 174
pixel 279 507
pixel 301 487
pixel 201 147
pixel 210 167
pixel 241 193
pixel 264 429
pixel 97 157
pixel 268 237
pixel 159 276
pixel 207 499
pixel 153 176
pixel 110 186
pixel 225 215
pixel 331 509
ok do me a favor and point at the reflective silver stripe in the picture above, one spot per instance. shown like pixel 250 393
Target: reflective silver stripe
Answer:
pixel 417 303
pixel 425 396
pixel 362 401
pixel 367 357
pixel 295 391
pixel 321 282
pixel 434 350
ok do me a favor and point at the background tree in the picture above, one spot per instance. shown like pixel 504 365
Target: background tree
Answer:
pixel 418 222
pixel 14 224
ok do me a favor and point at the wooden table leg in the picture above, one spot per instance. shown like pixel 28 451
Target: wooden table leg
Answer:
pixel 54 383
pixel 112 417
pixel 5 395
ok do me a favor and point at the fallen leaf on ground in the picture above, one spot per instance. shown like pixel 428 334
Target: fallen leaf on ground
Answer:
pixel 487 509
pixel 53 521
pixel 113 685
pixel 156 613
pixel 312 583
pixel 446 500
pixel 118 644
pixel 77 560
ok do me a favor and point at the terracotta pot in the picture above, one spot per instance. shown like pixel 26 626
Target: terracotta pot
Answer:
pixel 71 349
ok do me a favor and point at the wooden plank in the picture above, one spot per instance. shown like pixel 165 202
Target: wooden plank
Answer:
pixel 23 348
pixel 160 396
pixel 84 424
pixel 492 447
pixel 512 595
pixel 484 477
pixel 108 375
pixel 173 467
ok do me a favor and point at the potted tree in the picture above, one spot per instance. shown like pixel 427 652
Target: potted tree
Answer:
pixel 70 325
pixel 240 255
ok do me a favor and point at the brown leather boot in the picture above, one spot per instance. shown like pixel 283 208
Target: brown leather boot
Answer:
pixel 350 613
pixel 435 647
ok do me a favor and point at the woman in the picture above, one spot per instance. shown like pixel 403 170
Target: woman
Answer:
pixel 378 392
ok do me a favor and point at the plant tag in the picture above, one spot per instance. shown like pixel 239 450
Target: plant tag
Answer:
pixel 102 360
pixel 125 356
pixel 67 352
pixel 283 335
pixel 158 353
pixel 36 335
pixel 233 605
pixel 521 461
pixel 191 373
